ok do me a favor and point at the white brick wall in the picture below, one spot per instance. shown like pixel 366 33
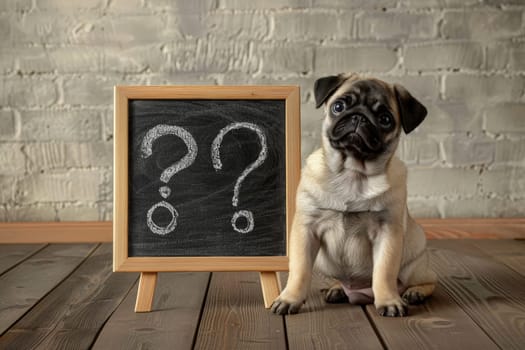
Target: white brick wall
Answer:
pixel 59 60
pixel 443 55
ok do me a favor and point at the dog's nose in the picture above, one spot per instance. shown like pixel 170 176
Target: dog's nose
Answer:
pixel 356 119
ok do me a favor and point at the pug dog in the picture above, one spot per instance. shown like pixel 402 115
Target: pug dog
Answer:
pixel 352 223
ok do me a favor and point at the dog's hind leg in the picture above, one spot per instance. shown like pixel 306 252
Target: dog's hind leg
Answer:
pixel 335 294
pixel 420 283
pixel 417 294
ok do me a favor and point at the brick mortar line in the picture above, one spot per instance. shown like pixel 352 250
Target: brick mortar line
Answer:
pixel 129 77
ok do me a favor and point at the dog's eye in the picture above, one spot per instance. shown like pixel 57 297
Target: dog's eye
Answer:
pixel 385 120
pixel 338 106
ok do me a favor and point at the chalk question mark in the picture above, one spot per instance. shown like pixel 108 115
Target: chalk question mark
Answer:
pixel 152 135
pixel 217 165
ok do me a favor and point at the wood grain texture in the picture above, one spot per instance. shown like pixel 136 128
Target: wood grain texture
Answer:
pixel 479 303
pixel 490 293
pixel 319 325
pixel 56 232
pixel 11 255
pixel 120 178
pixel 209 264
pixel 437 324
pixel 146 291
pixel 85 305
pixel 293 162
pixel 270 285
pixel 470 222
pixel 71 311
pixel 27 283
pixel 475 228
pixel 234 316
pixel 210 92
pixel 173 323
pixel 510 252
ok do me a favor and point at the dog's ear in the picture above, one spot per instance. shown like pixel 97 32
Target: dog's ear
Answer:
pixel 411 111
pixel 325 87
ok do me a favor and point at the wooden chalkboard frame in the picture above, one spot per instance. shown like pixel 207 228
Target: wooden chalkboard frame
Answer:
pixel 149 266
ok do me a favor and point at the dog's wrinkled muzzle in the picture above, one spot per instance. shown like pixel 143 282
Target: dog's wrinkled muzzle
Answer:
pixel 355 132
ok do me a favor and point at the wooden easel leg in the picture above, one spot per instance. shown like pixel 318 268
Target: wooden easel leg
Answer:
pixel 271 287
pixel 147 283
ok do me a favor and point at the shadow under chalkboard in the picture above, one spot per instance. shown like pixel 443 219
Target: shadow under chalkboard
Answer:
pixel 201 195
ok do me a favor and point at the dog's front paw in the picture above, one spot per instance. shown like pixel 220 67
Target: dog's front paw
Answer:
pixel 392 308
pixel 286 306
pixel 282 307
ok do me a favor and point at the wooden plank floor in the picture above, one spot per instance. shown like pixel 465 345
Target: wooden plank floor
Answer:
pixel 64 296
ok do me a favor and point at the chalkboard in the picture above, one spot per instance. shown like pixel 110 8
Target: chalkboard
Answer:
pixel 205 177
pixel 215 159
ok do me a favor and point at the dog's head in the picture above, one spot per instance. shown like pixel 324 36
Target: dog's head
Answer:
pixel 364 117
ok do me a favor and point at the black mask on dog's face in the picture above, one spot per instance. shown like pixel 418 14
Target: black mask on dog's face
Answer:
pixel 365 120
pixel 361 120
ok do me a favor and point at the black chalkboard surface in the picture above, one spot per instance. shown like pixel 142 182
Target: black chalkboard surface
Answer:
pixel 212 160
